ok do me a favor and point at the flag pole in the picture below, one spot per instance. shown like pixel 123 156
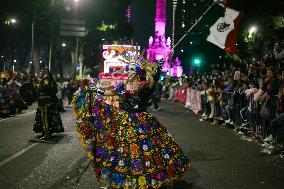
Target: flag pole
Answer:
pixel 159 61
pixel 190 29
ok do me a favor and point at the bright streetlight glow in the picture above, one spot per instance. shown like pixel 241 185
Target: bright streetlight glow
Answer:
pixel 10 21
pixel 13 20
pixel 15 60
pixel 63 44
pixel 76 1
pixel 252 30
pixel 197 61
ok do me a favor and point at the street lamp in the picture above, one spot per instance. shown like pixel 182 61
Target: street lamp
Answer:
pixel 63 44
pixel 197 62
pixel 13 20
pixel 13 67
pixel 10 21
pixel 252 30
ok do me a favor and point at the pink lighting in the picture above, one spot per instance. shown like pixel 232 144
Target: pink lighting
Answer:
pixel 176 69
pixel 159 47
pixel 128 14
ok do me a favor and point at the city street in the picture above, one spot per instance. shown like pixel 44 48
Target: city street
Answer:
pixel 220 159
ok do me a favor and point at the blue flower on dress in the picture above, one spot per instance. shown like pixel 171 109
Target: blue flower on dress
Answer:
pixel 100 152
pixel 137 165
pixel 80 101
pixel 117 178
pixel 145 144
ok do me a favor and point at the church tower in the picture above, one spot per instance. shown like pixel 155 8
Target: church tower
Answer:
pixel 159 46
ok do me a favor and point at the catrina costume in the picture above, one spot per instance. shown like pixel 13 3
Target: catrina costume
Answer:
pixel 47 120
pixel 128 146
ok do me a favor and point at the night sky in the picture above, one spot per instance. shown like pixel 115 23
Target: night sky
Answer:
pixel 17 38
pixel 143 15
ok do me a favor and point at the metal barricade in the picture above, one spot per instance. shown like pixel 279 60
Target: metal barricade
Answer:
pixel 261 114
pixel 228 105
pixel 193 100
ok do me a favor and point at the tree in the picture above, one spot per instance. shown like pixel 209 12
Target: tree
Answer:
pixel 268 17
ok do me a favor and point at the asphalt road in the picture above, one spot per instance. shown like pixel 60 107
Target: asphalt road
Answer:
pixel 220 159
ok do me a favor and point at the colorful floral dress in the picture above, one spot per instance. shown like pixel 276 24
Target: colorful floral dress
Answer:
pixel 129 147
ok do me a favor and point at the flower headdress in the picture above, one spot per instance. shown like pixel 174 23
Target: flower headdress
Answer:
pixel 133 57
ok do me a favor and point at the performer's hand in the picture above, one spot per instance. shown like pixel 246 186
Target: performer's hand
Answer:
pixel 157 71
pixel 161 62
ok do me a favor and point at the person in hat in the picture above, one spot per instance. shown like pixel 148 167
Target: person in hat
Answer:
pixel 128 146
pixel 47 120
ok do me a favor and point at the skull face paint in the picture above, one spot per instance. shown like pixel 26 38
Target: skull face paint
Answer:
pixel 132 70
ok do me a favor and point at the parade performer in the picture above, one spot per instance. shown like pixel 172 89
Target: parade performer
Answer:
pixel 47 120
pixel 4 94
pixel 128 146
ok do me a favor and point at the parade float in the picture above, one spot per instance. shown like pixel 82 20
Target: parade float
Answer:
pixel 114 68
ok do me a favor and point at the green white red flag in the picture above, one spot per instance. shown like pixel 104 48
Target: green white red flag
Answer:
pixel 220 26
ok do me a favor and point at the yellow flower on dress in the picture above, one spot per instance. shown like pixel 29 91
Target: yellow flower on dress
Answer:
pixel 142 182
pixel 134 149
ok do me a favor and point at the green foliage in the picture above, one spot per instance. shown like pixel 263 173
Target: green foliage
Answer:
pixel 87 71
pixel 105 27
pixel 268 17
pixel 278 22
pixel 233 57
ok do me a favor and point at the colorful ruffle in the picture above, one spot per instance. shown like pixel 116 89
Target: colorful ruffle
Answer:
pixel 130 150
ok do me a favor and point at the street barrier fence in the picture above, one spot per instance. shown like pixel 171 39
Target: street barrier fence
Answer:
pixel 242 111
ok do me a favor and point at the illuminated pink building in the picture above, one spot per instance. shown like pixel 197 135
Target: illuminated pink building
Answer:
pixel 176 69
pixel 159 47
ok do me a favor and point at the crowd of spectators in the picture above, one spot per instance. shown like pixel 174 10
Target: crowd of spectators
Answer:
pixel 247 95
pixel 18 91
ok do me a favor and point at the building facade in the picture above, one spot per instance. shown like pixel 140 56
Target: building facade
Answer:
pixel 160 46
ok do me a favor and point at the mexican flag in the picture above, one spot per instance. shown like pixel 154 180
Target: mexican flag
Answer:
pixel 219 26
